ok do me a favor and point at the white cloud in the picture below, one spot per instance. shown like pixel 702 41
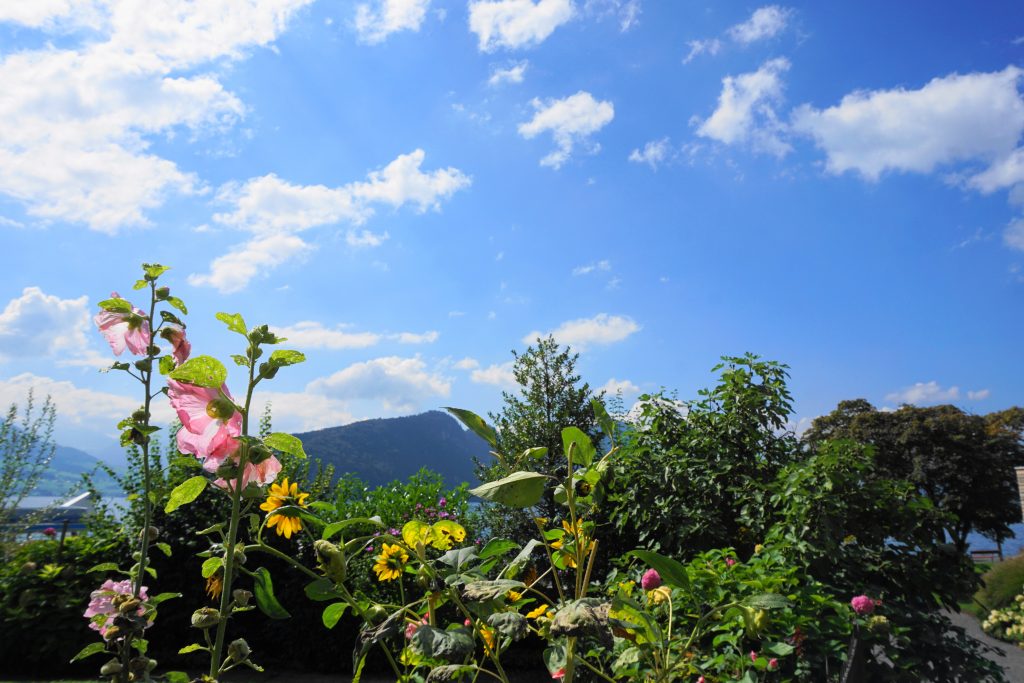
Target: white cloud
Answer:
pixel 969 118
pixel 1013 236
pixel 627 12
pixel 602 265
pixel 765 22
pixel 313 335
pixel 467 363
pixel 513 73
pixel 979 395
pixel 746 109
pixel 414 338
pixel 377 22
pixel 571 121
pixel 585 332
pixel 365 238
pixel 76 123
pixel 401 384
pixel 614 386
pixel 497 375
pixel 653 154
pixel 516 23
pixel 1007 172
pixel 711 46
pixel 274 210
pixel 294 411
pixel 37 324
pixel 80 406
pixel 924 392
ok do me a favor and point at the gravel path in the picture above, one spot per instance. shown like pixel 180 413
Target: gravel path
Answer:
pixel 1012 662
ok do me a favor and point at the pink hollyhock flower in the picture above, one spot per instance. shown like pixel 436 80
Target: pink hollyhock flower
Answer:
pixel 773 664
pixel 753 656
pixel 863 605
pixel 650 580
pixel 700 679
pixel 101 603
pixel 209 417
pixel 261 473
pixel 124 330
pixel 729 562
pixel 180 346
pixel 559 675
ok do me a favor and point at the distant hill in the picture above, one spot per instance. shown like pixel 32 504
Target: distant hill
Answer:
pixel 66 468
pixel 382 450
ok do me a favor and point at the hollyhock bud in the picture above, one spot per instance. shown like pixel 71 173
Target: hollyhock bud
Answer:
pixel 238 650
pixel 205 617
pixel 241 596
pixel 49 532
pixel 753 656
pixel 650 580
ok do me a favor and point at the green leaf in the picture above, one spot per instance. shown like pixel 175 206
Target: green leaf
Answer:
pixel 169 317
pixel 333 528
pixel 89 650
pixel 186 492
pixel 154 270
pixel 263 587
pixel 286 443
pixel 779 649
pixel 116 305
pixel 212 566
pixel 511 624
pixel 178 303
pixel 671 571
pixel 240 360
pixel 496 547
pixel 766 601
pixel 166 365
pixel 177 677
pixel 203 371
pixel 165 548
pixel 234 322
pixel 536 453
pixel 139 284
pixel 522 559
pixel 584 454
pixel 476 424
pixel 104 567
pixel 321 590
pixel 332 613
pixel 519 489
pixel 194 647
pixel 162 597
pixel 283 357
pixel 141 644
pixel 603 418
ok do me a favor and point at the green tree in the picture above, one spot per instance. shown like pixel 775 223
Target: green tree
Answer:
pixel 551 396
pixel 963 463
pixel 26 449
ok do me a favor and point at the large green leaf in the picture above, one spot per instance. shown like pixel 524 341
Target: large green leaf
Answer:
pixel 235 323
pixel 203 371
pixel 283 357
pixel 766 601
pixel 584 454
pixel 286 443
pixel 321 590
pixel 671 571
pixel 497 546
pixel 263 588
pixel 332 613
pixel 154 270
pixel 334 528
pixel 519 489
pixel 89 650
pixel 116 305
pixel 211 566
pixel 178 303
pixel 185 492
pixel 476 424
pixel 603 418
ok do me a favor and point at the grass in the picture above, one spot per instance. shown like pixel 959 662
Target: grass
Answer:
pixel 1002 583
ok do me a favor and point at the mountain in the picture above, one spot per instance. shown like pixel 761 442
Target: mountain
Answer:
pixel 66 468
pixel 382 450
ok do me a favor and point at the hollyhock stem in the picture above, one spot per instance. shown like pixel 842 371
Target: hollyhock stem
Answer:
pixel 147 504
pixel 229 553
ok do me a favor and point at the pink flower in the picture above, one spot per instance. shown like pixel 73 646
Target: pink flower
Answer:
pixel 261 473
pixel 773 664
pixel 124 330
pixel 559 675
pixel 729 562
pixel 467 623
pixel 650 580
pixel 412 626
pixel 180 346
pixel 753 656
pixel 209 417
pixel 863 605
pixel 49 532
pixel 101 604
pixel 700 679
pixel 442 501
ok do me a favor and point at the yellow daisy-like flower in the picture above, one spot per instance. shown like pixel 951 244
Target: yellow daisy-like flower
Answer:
pixel 281 495
pixel 214 585
pixel 490 639
pixel 390 562
pixel 538 612
pixel 513 596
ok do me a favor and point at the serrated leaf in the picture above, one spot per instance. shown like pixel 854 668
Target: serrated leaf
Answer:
pixel 263 588
pixel 89 650
pixel 584 453
pixel 476 424
pixel 671 571
pixel 240 360
pixel 178 303
pixel 166 365
pixel 332 614
pixel 185 492
pixel 212 566
pixel 139 284
pixel 235 323
pixel 203 371
pixel 283 357
pixel 519 489
pixel 116 305
pixel 286 443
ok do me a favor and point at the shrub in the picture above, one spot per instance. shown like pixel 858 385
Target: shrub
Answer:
pixel 1002 583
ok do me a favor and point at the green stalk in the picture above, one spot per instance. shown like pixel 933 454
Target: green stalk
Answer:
pixel 147 506
pixel 229 556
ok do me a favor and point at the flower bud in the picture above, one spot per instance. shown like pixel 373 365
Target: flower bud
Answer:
pixel 140 415
pixel 241 596
pixel 239 650
pixel 154 533
pixel 139 664
pixel 129 606
pixel 376 614
pixel 162 293
pixel 113 633
pixel 240 557
pixel 205 617
pixel 29 567
pixel 110 668
pixel 259 453
pixel 331 559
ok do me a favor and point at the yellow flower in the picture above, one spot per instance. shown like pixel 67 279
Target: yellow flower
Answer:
pixel 539 612
pixel 513 596
pixel 214 585
pixel 490 638
pixel 281 495
pixel 390 562
pixel 659 595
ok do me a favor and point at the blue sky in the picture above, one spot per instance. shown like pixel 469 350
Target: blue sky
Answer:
pixel 410 189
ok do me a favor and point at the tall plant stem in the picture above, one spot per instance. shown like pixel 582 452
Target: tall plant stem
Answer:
pixel 147 505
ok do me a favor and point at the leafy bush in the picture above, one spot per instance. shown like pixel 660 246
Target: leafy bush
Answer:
pixel 1002 583
pixel 1007 623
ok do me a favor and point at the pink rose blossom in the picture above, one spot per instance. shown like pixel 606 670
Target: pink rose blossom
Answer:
pixel 650 580
pixel 209 417
pixel 101 603
pixel 180 346
pixel 863 605
pixel 124 330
